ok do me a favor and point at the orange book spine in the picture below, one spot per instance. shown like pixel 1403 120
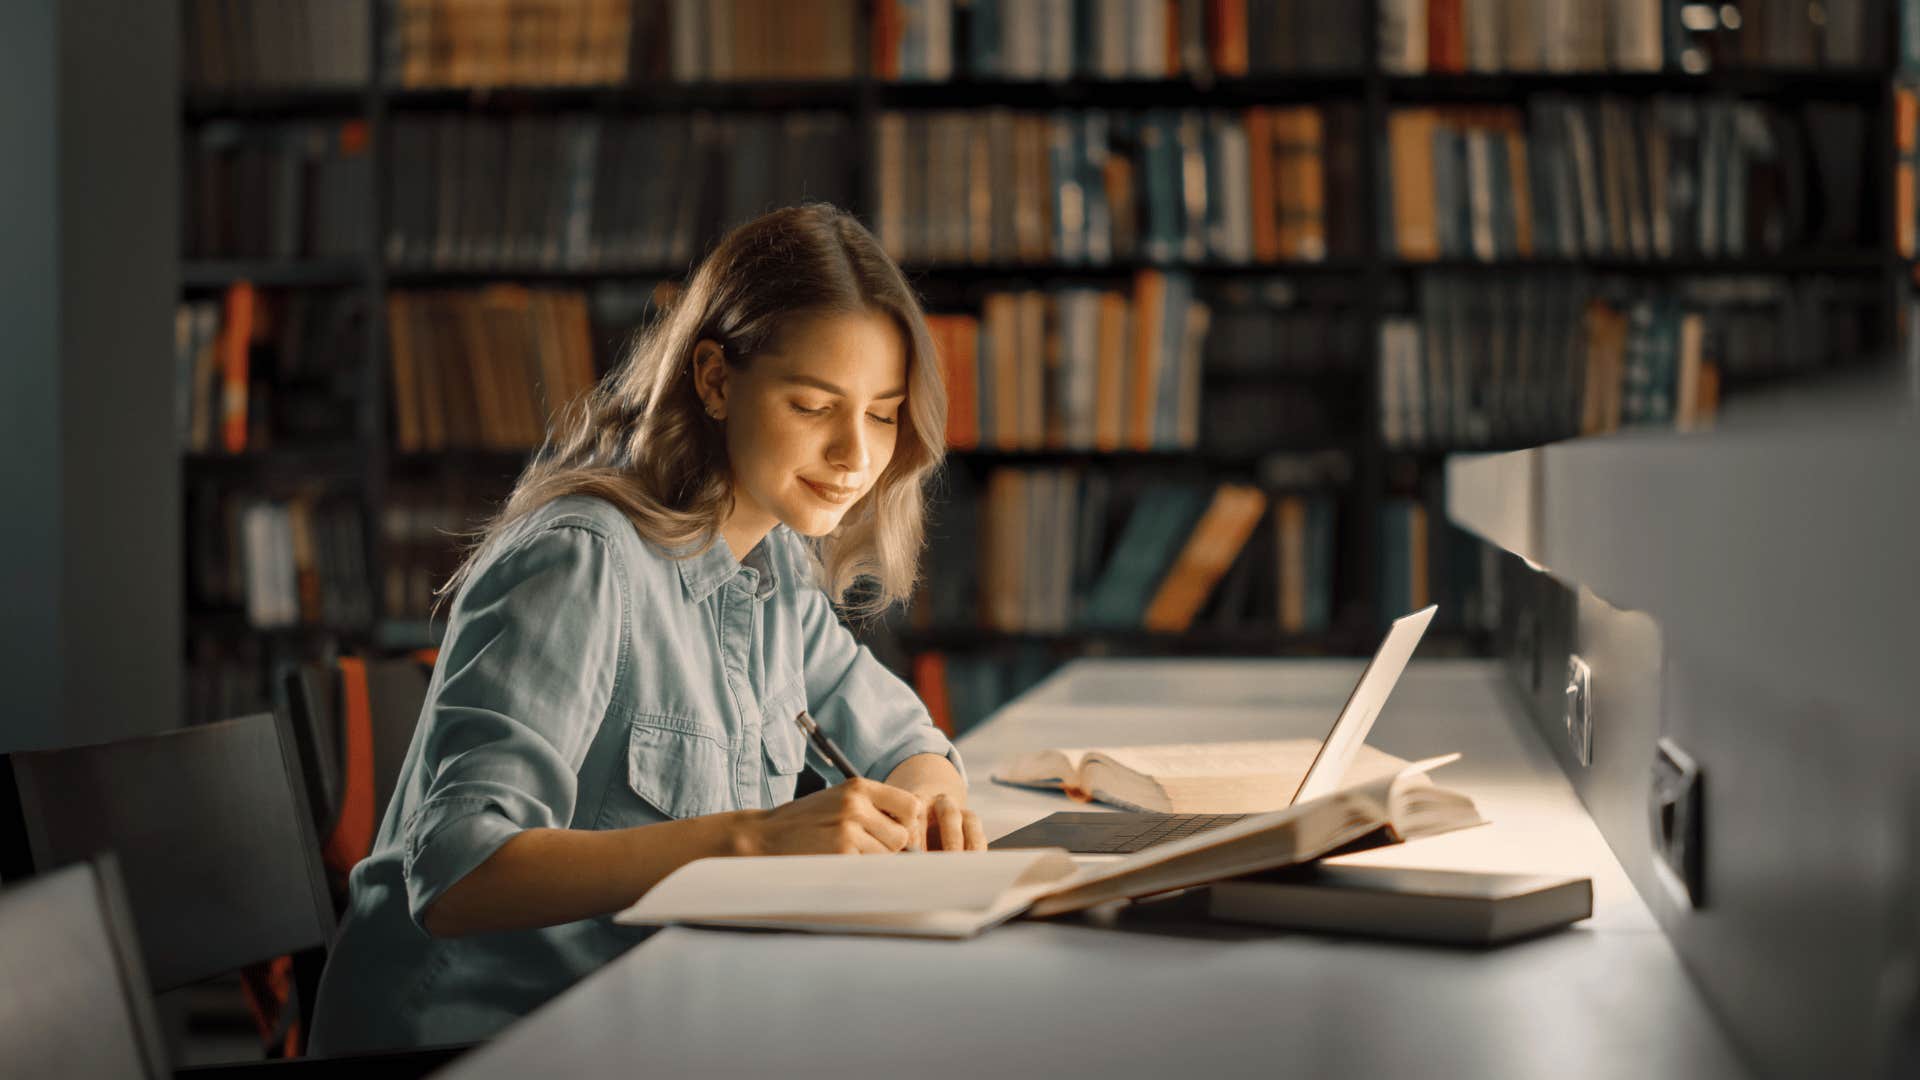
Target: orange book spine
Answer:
pixel 1149 302
pixel 964 390
pixel 1410 141
pixel 1227 28
pixel 1209 551
pixel 234 345
pixel 1266 235
pixel 1110 383
pixel 930 682
pixel 1446 37
pixel 885 28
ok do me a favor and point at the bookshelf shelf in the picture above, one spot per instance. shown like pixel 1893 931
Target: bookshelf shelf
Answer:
pixel 264 104
pixel 633 97
pixel 1305 86
pixel 218 274
pixel 993 272
pixel 337 463
pixel 938 273
pixel 234 624
pixel 1837 262
pixel 408 633
pixel 490 463
pixel 1783 83
pixel 457 276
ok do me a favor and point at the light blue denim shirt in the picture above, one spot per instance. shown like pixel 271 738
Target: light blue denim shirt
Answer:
pixel 589 681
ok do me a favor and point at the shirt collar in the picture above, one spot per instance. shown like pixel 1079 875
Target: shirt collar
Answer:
pixel 704 573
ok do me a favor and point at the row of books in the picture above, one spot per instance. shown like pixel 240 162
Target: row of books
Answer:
pixel 458 43
pixel 1096 186
pixel 293 561
pixel 1277 327
pixel 1053 549
pixel 962 689
pixel 1077 368
pixel 485 369
pixel 285 191
pixel 1492 36
pixel 1034 40
pixel 425 530
pixel 462 43
pixel 1530 360
pixel 253 44
pixel 582 191
pixel 1423 560
pixel 259 368
pixel 1666 178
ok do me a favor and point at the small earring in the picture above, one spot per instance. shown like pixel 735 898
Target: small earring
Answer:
pixel 713 412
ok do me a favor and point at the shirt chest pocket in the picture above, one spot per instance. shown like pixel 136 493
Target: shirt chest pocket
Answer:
pixel 782 745
pixel 675 768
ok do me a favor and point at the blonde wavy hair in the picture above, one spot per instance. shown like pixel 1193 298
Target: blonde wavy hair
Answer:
pixel 642 440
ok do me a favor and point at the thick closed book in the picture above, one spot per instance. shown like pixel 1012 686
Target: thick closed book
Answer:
pixel 957 894
pixel 1188 778
pixel 1454 906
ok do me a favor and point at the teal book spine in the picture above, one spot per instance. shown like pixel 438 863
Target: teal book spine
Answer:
pixel 1173 334
pixel 983 39
pixel 1320 568
pixel 1147 545
pixel 1160 160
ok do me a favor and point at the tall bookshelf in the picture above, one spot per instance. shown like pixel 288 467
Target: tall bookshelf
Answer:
pixel 1373 279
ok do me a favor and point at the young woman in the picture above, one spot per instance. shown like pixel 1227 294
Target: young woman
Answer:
pixel 630 642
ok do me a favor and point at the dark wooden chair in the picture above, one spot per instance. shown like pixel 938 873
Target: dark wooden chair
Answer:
pixel 214 834
pixel 353 724
pixel 73 995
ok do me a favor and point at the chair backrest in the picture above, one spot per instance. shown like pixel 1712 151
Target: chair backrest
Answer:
pixel 396 692
pixel 313 708
pixel 214 834
pixel 73 997
pixel 353 725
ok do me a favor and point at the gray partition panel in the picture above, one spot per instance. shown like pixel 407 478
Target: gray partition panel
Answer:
pixel 1751 597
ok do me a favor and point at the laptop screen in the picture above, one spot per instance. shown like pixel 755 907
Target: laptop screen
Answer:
pixel 1363 706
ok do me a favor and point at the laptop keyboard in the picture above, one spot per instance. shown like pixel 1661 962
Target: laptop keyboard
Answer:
pixel 1160 830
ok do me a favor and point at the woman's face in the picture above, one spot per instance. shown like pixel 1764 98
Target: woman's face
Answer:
pixel 810 427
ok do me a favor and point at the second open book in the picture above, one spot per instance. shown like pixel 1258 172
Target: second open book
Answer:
pixel 960 894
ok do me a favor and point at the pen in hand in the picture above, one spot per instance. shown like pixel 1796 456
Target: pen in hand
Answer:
pixel 835 757
pixel 826 746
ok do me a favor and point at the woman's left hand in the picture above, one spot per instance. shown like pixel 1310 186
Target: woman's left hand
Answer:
pixel 950 826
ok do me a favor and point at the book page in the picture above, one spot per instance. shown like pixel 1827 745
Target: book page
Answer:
pixel 1043 768
pixel 803 886
pixel 1259 842
pixel 1287 756
pixel 1219 778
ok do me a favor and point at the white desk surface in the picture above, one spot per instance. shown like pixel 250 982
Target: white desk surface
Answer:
pixel 1149 992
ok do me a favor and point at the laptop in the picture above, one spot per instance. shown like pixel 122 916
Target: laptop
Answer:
pixel 1110 832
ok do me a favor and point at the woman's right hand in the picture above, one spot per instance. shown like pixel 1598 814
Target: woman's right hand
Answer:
pixel 859 816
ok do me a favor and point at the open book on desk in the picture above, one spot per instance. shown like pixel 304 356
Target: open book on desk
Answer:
pixel 961 893
pixel 1187 778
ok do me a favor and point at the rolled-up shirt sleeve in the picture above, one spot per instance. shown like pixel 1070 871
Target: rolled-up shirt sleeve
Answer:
pixel 875 717
pixel 529 669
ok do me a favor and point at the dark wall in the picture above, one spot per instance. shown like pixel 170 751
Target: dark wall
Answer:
pixel 29 376
pixel 90 555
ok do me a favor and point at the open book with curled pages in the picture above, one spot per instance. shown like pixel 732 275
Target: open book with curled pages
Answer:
pixel 960 894
pixel 1187 778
